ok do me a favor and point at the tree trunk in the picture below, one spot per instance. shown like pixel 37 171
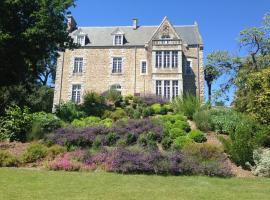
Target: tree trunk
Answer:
pixel 209 85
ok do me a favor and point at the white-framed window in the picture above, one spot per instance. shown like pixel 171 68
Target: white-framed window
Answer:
pixel 174 59
pixel 81 40
pixel 166 61
pixel 175 88
pixel 158 88
pixel 117 65
pixel 158 59
pixel 167 89
pixel 143 67
pixel 78 65
pixel 76 93
pixel 116 87
pixel 118 40
pixel 188 67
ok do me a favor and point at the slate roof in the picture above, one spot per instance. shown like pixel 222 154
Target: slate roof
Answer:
pixel 102 36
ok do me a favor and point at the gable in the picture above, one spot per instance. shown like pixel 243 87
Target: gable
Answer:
pixel 165 31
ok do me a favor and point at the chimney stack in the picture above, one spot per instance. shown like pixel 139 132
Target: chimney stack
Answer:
pixel 135 23
pixel 71 23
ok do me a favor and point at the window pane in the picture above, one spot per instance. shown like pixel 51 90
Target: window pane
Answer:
pixel 158 59
pixel 175 59
pixel 158 88
pixel 117 65
pixel 174 89
pixel 143 70
pixel 188 67
pixel 166 63
pixel 76 93
pixel 167 89
pixel 78 65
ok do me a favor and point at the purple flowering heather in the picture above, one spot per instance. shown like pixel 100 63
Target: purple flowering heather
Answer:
pixel 152 99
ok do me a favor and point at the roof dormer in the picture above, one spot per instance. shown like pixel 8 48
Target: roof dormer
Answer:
pixel 80 37
pixel 118 37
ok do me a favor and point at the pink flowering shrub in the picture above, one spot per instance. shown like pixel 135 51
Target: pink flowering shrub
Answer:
pixel 65 162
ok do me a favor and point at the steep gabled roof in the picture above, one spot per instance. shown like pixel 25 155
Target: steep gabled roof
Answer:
pixel 102 36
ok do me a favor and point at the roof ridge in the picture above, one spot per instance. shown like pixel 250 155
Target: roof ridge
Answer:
pixel 192 25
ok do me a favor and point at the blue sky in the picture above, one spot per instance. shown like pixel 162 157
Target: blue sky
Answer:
pixel 220 21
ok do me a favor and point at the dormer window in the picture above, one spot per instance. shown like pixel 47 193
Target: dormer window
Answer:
pixel 118 39
pixel 81 40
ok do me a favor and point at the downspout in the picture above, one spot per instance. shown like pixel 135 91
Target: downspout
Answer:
pixel 135 70
pixel 198 75
pixel 61 83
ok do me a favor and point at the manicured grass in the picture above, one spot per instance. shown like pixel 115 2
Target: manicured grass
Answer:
pixel 40 185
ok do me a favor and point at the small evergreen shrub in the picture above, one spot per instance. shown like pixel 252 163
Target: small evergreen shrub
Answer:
pixel 119 113
pixel 176 132
pixel 69 111
pixel 166 143
pixel 197 136
pixel 34 152
pixel 202 118
pixel 111 139
pixel 94 104
pixel 55 150
pixel 182 141
pixel 156 108
pixel 7 159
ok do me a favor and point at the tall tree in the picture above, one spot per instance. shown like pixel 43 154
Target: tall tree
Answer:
pixel 30 32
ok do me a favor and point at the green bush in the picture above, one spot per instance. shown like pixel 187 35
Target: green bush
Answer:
pixel 181 141
pixel 111 139
pixel 91 121
pixel 142 140
pixel 183 125
pixel 7 159
pixel 263 136
pixel 156 108
pixel 187 104
pixel 34 152
pixel 202 118
pixel 119 113
pixel 43 123
pixel 97 142
pixel 176 132
pixel 94 104
pixel 55 150
pixel 166 143
pixel 131 139
pixel 16 123
pixel 69 111
pixel 197 136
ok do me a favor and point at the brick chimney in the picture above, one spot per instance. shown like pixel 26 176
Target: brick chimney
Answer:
pixel 71 23
pixel 135 23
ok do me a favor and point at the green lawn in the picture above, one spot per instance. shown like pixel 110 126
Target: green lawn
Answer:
pixel 40 185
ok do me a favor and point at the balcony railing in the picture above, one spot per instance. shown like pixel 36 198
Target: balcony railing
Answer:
pixel 166 42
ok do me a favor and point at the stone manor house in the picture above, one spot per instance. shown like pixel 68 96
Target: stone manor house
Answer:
pixel 164 60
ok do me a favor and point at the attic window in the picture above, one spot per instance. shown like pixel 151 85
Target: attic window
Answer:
pixel 165 36
pixel 118 39
pixel 81 40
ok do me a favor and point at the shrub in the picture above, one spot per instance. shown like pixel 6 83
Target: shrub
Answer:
pixel 69 111
pixel 119 113
pixel 15 124
pixel 197 136
pixel 131 138
pixel 64 163
pixel 205 159
pixel 242 145
pixel 202 118
pixel 166 143
pixel 156 108
pixel 263 136
pixel 153 99
pixel 181 141
pixel 183 125
pixel 34 152
pixel 43 123
pixel 176 132
pixel 55 150
pixel 147 111
pixel 114 96
pixel 187 104
pixel 7 159
pixel 262 162
pixel 91 121
pixel 111 139
pixel 97 142
pixel 93 104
